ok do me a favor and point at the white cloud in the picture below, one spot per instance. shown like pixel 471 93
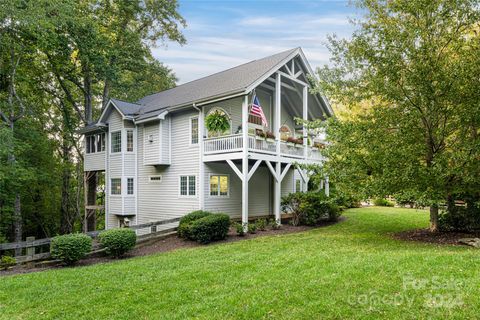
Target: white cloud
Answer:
pixel 214 45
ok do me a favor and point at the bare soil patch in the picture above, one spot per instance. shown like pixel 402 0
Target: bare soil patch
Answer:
pixel 158 245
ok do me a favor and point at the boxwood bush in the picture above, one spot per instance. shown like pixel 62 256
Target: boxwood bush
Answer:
pixel 210 228
pixel 381 202
pixel 70 247
pixel 118 241
pixel 186 221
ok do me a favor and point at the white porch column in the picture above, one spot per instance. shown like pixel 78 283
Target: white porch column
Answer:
pixel 201 171
pixel 276 193
pixel 245 162
pixel 327 187
pixel 277 182
pixel 305 117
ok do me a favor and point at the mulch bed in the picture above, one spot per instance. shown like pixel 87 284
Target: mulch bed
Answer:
pixel 168 243
pixel 441 237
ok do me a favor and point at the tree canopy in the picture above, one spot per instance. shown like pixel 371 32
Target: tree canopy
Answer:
pixel 60 61
pixel 410 73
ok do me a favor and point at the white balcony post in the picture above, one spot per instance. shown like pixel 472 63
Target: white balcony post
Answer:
pixel 201 173
pixel 305 118
pixel 327 187
pixel 277 182
pixel 278 97
pixel 245 162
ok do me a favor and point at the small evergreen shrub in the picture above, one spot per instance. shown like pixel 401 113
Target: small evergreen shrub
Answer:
pixel 261 224
pixel 252 228
pixel 310 208
pixel 70 247
pixel 118 241
pixel 210 228
pixel 381 202
pixel 239 229
pixel 6 262
pixel 185 222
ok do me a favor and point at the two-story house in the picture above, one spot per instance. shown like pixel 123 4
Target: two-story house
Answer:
pixel 159 161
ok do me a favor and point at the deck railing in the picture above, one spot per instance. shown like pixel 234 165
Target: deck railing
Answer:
pixel 234 143
pixel 224 144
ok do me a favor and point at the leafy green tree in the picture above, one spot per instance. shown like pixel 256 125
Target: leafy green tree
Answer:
pixel 412 68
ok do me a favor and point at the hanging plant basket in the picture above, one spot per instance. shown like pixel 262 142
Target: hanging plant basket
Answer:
pixel 217 123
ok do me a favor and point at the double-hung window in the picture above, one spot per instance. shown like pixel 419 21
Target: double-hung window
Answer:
pixel 188 186
pixel 219 185
pixel 194 130
pixel 95 143
pixel 116 186
pixel 116 141
pixel 129 140
pixel 130 186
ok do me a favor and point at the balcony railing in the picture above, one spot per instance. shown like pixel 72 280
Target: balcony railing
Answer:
pixel 234 143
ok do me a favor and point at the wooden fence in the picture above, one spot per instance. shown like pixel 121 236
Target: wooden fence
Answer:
pixel 30 244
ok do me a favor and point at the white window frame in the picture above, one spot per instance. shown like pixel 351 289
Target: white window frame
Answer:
pixel 133 186
pixel 133 140
pixel 188 195
pixel 295 185
pixel 191 131
pixel 218 191
pixel 111 187
pixel 111 141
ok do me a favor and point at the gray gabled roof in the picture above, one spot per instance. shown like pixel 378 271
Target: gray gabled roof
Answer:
pixel 219 84
pixel 127 108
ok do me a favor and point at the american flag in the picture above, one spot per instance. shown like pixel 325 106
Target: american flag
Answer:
pixel 256 109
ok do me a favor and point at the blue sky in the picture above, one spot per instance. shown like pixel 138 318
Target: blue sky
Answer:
pixel 224 33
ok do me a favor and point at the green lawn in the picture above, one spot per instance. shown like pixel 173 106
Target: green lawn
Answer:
pixel 349 270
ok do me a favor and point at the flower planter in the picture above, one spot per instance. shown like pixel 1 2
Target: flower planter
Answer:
pixel 299 145
pixel 259 138
pixel 290 144
pixel 270 140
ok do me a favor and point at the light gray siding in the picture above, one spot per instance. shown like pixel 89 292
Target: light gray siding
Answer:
pixel 94 161
pixel 260 190
pixel 159 200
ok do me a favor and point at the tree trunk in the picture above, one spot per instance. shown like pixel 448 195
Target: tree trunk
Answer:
pixel 87 85
pixel 434 218
pixel 17 223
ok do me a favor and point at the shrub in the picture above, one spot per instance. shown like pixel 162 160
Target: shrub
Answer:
pixel 118 241
pixel 261 224
pixel 6 262
pixel 3 239
pixel 460 218
pixel 274 225
pixel 252 228
pixel 209 228
pixel 310 208
pixel 381 202
pixel 239 229
pixel 185 222
pixel 70 247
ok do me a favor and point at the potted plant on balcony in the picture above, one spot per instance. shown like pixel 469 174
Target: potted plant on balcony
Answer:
pixel 291 141
pixel 270 137
pixel 217 123
pixel 299 142
pixel 259 134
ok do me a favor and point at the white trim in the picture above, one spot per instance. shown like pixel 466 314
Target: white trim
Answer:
pixel 188 185
pixel 134 149
pixel 234 168
pixel 121 142
pixel 190 131
pixel 285 171
pixel 111 188
pixel 201 165
pixel 254 168
pixel 209 185
pixel 272 171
